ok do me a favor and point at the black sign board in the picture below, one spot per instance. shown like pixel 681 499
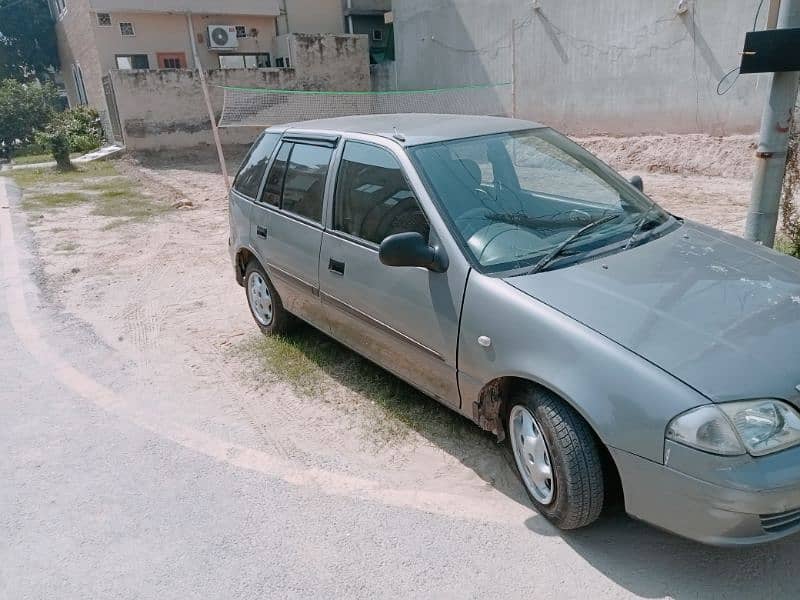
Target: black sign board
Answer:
pixel 771 51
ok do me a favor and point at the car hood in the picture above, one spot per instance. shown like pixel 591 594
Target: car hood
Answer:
pixel 717 312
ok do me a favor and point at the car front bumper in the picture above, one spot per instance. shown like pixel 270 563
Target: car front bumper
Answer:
pixel 723 501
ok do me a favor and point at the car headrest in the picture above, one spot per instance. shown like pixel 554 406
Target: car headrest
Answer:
pixel 472 169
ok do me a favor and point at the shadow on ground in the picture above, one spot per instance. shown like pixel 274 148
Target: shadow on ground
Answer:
pixel 306 357
pixel 655 564
pixel 201 159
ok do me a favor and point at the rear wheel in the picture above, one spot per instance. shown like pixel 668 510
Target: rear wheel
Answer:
pixel 264 302
pixel 557 458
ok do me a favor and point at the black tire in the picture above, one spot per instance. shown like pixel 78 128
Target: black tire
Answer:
pixel 281 320
pixel 578 483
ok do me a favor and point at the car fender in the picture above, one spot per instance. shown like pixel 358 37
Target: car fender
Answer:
pixel 627 400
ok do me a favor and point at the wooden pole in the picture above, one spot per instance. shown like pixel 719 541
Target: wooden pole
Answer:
pixel 203 84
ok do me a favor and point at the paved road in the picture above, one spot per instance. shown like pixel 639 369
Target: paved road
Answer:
pixel 97 502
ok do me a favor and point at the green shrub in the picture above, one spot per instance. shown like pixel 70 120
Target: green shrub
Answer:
pixel 24 109
pixel 74 130
pixel 83 127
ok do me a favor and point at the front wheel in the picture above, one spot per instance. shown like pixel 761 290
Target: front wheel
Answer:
pixel 557 458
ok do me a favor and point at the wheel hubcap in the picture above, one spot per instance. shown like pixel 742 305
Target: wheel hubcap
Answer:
pixel 260 299
pixel 531 454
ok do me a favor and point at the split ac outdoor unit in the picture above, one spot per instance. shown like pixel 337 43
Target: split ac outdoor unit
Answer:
pixel 222 37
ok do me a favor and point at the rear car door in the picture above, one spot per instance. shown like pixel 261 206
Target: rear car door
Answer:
pixel 246 188
pixel 403 318
pixel 287 223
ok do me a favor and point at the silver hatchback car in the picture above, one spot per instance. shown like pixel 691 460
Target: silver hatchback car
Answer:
pixel 510 274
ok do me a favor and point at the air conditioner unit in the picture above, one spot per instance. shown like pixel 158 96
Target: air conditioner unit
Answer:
pixel 222 37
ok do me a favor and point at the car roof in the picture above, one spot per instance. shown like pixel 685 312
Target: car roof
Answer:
pixel 414 128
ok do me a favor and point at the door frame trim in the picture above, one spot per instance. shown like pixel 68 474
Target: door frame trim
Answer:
pixel 375 323
pixel 291 279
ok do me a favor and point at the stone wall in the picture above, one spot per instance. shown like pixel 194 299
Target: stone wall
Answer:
pixel 162 109
pixel 330 62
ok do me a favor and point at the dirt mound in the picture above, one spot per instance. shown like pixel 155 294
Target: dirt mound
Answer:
pixel 689 154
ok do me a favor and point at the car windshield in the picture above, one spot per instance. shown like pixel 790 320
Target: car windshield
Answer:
pixel 514 198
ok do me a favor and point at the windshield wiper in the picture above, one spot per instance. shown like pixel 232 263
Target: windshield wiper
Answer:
pixel 556 252
pixel 639 226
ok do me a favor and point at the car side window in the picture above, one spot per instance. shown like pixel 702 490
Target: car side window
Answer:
pixel 274 185
pixel 304 185
pixel 373 199
pixel 248 180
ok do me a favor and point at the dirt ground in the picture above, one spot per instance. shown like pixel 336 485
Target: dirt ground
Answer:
pixel 160 292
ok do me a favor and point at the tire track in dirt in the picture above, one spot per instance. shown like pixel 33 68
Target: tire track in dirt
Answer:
pixel 494 507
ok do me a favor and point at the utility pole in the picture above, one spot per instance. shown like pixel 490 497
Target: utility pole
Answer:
pixel 514 68
pixel 776 124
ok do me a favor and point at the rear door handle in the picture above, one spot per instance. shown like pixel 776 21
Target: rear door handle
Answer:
pixel 261 231
pixel 336 266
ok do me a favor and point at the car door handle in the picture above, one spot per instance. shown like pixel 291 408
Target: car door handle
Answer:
pixel 261 231
pixel 336 266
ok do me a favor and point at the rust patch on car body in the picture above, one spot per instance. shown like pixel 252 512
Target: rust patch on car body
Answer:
pixel 486 410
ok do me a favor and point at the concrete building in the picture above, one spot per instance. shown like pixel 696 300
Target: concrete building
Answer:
pixel 98 36
pixel 618 66
pixel 99 41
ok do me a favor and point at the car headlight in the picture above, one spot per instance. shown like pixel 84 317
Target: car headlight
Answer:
pixel 733 428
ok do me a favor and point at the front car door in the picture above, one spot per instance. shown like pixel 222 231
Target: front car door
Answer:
pixel 287 223
pixel 403 318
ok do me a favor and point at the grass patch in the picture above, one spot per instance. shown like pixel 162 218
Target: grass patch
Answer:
pixel 130 207
pixel 110 194
pixel 28 178
pixel 52 200
pixel 305 357
pixel 66 247
pixel 32 159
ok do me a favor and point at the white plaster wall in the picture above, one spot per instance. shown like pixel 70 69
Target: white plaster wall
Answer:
pixel 616 66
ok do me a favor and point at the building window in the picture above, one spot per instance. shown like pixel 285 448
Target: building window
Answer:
pixel 57 8
pixel 126 62
pixel 244 61
pixel 104 19
pixel 241 31
pixel 377 35
pixel 282 62
pixel 126 28
pixel 171 60
pixel 80 88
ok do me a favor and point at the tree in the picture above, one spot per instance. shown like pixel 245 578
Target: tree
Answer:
pixel 24 108
pixel 27 40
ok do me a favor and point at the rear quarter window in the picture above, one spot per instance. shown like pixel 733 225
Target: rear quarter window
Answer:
pixel 248 180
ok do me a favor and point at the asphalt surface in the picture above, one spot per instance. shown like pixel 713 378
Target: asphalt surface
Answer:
pixel 95 503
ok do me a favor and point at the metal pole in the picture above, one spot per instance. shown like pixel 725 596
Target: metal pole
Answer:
pixel 514 68
pixel 203 84
pixel 776 122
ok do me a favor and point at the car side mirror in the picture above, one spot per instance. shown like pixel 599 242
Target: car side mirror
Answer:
pixel 411 250
pixel 637 182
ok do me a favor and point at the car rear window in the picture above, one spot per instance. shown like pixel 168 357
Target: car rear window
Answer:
pixel 248 180
pixel 304 186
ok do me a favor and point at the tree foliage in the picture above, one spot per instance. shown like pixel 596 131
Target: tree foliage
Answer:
pixel 27 40
pixel 790 200
pixel 24 108
pixel 79 129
